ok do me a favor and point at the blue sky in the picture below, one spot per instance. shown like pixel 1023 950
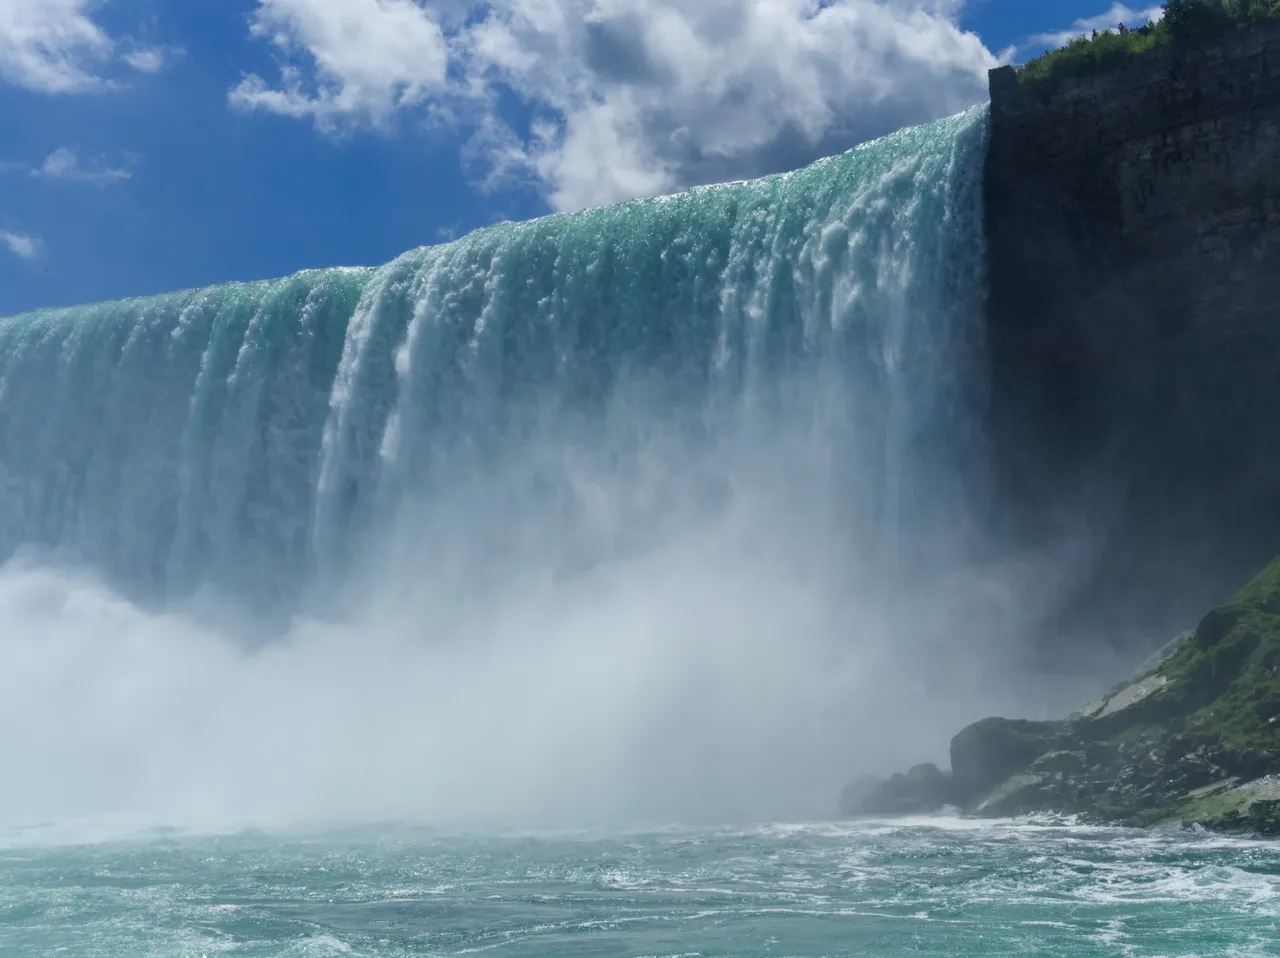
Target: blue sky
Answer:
pixel 149 145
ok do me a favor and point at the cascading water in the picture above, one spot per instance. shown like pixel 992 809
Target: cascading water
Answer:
pixel 631 478
pixel 229 436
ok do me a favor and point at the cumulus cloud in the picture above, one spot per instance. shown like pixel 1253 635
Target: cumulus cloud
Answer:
pixel 51 46
pixel 56 46
pixel 623 98
pixel 365 59
pixel 20 245
pixel 63 164
pixel 1108 20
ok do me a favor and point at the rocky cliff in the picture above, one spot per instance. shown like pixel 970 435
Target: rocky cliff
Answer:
pixel 1134 316
pixel 1192 737
pixel 1133 223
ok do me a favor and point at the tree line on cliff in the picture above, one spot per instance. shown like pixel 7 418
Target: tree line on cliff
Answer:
pixel 1186 23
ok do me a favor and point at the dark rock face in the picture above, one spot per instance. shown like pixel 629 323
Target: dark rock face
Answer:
pixel 1060 763
pixel 1133 222
pixel 988 752
pixel 923 789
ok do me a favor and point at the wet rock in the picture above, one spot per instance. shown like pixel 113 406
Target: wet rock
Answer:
pixel 1133 695
pixel 1101 754
pixel 1059 763
pixel 1171 744
pixel 860 795
pixel 1017 795
pixel 988 752
pixel 923 789
pixel 1142 684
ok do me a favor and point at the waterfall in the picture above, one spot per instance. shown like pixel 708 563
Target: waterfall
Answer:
pixel 650 512
pixel 246 437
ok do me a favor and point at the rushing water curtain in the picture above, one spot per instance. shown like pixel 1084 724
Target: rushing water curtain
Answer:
pixel 249 438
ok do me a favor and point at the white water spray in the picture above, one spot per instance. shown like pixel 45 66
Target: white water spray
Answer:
pixel 650 512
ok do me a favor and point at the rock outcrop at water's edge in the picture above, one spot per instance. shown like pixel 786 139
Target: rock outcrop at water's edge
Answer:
pixel 1193 737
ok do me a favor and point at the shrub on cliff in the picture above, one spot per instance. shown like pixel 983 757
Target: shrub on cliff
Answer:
pixel 1185 22
pixel 1086 54
pixel 1189 21
pixel 1251 11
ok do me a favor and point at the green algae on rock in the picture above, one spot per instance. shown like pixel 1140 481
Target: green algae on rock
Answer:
pixel 1192 737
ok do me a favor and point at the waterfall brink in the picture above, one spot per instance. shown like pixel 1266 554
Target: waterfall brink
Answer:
pixel 696 451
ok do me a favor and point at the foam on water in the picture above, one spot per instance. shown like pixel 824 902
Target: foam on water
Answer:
pixel 1003 889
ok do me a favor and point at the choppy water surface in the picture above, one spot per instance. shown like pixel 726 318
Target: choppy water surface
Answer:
pixel 926 888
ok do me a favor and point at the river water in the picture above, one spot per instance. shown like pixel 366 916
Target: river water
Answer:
pixel 929 887
pixel 672 511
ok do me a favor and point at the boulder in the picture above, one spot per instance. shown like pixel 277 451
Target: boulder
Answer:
pixel 989 752
pixel 1193 737
pixel 860 795
pixel 923 789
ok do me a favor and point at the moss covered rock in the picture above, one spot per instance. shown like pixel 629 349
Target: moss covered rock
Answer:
pixel 1194 737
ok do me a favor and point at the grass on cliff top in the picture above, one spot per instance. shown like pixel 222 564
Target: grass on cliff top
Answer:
pixel 1190 23
pixel 1086 54
pixel 1227 676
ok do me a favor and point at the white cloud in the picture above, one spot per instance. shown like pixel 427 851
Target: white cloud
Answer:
pixel 150 59
pixel 26 247
pixel 63 164
pixel 1108 20
pixel 367 58
pixel 627 97
pixel 56 46
pixel 51 46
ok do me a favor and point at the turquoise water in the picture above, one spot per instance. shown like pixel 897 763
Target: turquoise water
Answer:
pixel 662 512
pixel 944 889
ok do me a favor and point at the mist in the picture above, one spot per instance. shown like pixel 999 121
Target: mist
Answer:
pixel 669 512
pixel 635 624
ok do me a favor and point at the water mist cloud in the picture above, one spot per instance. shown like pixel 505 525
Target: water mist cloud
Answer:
pixel 658 513
pixel 696 680
pixel 641 633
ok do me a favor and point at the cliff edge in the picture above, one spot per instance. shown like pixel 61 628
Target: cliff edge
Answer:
pixel 1133 227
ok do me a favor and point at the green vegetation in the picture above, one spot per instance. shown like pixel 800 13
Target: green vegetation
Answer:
pixel 1187 23
pixel 1194 739
pixel 1227 677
